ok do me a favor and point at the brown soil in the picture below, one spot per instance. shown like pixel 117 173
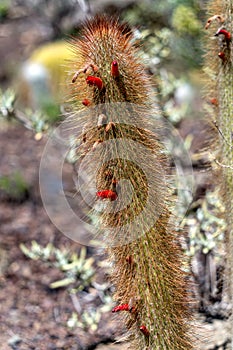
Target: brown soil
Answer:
pixel 33 316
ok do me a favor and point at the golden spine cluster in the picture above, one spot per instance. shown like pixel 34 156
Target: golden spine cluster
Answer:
pixel 112 98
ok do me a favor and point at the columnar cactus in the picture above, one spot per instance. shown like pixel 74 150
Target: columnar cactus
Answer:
pixel 219 60
pixel 125 162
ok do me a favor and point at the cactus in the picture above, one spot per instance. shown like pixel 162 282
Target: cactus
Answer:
pixel 218 65
pixel 113 108
pixel 42 78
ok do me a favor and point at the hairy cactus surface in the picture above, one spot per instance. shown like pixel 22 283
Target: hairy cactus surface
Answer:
pixel 124 164
pixel 218 66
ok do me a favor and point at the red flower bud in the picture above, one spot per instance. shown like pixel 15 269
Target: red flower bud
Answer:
pixel 86 102
pixel 214 101
pixel 114 69
pixel 145 331
pixel 107 194
pixel 94 81
pixel 123 307
pixel 222 55
pixel 225 33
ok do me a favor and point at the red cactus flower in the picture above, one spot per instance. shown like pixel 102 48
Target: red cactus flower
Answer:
pixel 94 81
pixel 225 33
pixel 107 194
pixel 123 307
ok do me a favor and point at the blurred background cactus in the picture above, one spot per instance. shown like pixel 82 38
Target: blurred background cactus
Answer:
pixel 42 80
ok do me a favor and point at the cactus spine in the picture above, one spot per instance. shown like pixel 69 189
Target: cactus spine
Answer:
pixel 151 286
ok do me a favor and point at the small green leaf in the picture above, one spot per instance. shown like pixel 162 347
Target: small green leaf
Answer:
pixel 62 283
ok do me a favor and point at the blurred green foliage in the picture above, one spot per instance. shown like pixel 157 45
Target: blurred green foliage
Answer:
pixel 179 21
pixel 185 21
pixel 39 120
pixel 7 101
pixel 13 187
pixel 170 33
pixel 4 8
pixel 78 269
